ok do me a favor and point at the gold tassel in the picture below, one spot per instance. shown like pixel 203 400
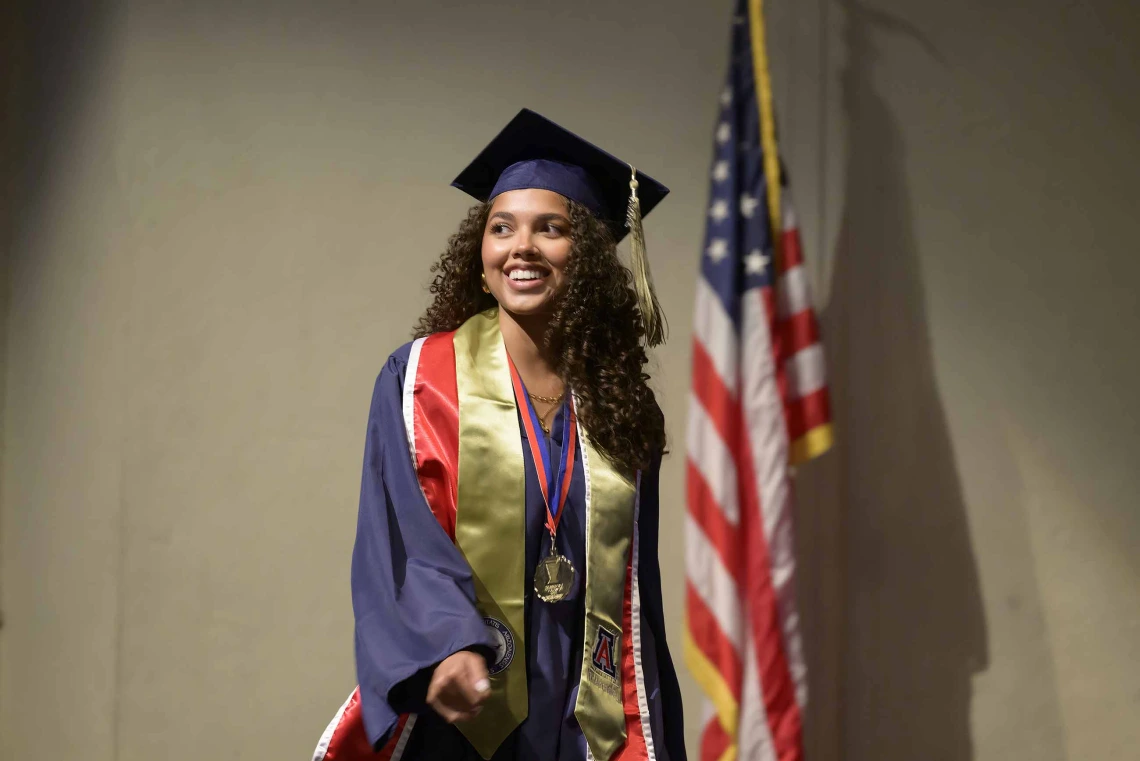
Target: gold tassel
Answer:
pixel 656 327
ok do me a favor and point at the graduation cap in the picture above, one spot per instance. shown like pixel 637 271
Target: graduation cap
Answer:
pixel 534 152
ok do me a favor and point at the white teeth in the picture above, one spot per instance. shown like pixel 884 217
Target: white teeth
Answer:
pixel 525 275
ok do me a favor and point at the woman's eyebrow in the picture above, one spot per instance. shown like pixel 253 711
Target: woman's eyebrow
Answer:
pixel 538 219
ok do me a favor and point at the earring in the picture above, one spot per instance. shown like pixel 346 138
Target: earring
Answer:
pixel 485 288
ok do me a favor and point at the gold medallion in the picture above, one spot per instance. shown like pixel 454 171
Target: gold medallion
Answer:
pixel 553 578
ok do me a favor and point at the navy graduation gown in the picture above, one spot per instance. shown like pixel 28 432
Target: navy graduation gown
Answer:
pixel 413 600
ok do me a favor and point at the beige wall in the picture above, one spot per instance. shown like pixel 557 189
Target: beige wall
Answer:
pixel 227 219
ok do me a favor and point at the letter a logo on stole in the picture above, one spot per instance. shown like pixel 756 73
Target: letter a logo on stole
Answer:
pixel 604 658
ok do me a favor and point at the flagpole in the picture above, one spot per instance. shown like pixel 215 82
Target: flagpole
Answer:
pixel 767 125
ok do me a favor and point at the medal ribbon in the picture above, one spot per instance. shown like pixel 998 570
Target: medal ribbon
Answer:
pixel 548 479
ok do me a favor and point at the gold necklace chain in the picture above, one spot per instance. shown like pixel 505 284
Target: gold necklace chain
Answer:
pixel 545 399
pixel 552 401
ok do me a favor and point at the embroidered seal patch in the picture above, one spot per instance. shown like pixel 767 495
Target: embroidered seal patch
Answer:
pixel 504 644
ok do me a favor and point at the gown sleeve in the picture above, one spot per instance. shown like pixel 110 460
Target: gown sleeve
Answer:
pixel 412 593
pixel 649 580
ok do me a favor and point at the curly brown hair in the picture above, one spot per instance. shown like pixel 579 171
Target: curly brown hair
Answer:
pixel 594 335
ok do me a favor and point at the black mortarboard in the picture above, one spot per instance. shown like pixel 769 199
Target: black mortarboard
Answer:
pixel 534 152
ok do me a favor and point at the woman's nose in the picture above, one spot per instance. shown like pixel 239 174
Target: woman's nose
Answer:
pixel 524 247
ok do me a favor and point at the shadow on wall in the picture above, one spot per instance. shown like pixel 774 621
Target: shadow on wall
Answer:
pixel 50 58
pixel 56 48
pixel 915 625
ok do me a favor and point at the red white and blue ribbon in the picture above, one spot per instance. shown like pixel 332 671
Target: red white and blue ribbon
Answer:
pixel 548 479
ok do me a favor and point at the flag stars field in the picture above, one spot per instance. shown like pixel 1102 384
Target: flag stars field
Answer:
pixel 717 250
pixel 755 262
pixel 719 210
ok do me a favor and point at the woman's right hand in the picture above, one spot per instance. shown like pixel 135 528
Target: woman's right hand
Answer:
pixel 459 686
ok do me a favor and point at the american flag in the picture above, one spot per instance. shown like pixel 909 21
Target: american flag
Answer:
pixel 759 404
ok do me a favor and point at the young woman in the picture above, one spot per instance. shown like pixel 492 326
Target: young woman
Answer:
pixel 505 577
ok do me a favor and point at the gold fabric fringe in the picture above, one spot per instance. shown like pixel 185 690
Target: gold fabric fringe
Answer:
pixel 652 317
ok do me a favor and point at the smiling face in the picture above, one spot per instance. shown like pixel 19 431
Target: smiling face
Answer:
pixel 526 247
